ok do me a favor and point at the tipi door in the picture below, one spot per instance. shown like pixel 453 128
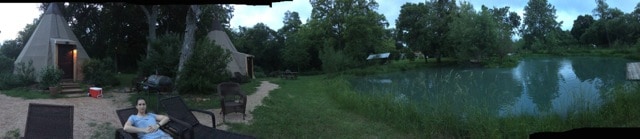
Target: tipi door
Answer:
pixel 65 60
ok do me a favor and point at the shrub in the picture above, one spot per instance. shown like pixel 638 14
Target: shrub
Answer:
pixel 6 64
pixel 50 76
pixel 8 81
pixel 334 61
pixel 99 72
pixel 163 57
pixel 25 74
pixel 204 70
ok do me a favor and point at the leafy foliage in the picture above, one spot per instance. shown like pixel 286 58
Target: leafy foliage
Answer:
pixel 6 64
pixel 335 60
pixel 163 58
pixel 99 72
pixel 539 22
pixel 25 73
pixel 349 26
pixel 205 69
pixel 10 49
pixel 50 76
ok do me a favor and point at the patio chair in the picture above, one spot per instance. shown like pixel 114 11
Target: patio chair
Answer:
pixel 49 121
pixel 176 108
pixel 232 99
pixel 173 127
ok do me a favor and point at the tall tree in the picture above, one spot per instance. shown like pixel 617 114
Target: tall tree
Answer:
pixel 151 12
pixel 294 55
pixel 193 13
pixel 539 23
pixel 411 26
pixel 352 26
pixel 580 25
pixel 444 11
pixel 260 41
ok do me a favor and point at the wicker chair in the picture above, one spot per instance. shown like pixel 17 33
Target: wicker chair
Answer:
pixel 177 109
pixel 232 99
pixel 49 121
pixel 173 127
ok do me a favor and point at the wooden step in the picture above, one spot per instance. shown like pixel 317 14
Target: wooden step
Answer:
pixel 72 90
pixel 69 84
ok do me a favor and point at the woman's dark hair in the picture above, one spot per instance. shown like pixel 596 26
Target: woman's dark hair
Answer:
pixel 138 99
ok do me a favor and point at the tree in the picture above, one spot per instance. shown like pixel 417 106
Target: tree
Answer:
pixel 411 26
pixel 193 13
pixel 539 24
pixel 444 11
pixel 294 54
pixel 261 41
pixel 11 49
pixel 151 12
pixel 580 25
pixel 352 26
pixel 206 67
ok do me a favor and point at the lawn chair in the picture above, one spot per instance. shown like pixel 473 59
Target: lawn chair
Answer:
pixel 49 121
pixel 176 108
pixel 173 127
pixel 232 99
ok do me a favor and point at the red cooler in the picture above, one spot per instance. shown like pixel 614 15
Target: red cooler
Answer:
pixel 95 92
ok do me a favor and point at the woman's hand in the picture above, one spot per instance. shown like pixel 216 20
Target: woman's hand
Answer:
pixel 152 128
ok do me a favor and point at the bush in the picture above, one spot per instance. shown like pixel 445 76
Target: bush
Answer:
pixel 163 57
pixel 99 72
pixel 50 76
pixel 334 61
pixel 8 81
pixel 6 64
pixel 206 67
pixel 25 74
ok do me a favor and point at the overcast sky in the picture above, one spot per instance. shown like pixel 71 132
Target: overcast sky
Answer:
pixel 14 17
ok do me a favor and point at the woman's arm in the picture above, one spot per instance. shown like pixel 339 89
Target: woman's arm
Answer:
pixel 163 119
pixel 132 129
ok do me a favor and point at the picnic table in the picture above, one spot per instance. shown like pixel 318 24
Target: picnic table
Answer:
pixel 289 75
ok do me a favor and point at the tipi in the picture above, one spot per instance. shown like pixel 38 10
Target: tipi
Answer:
pixel 54 44
pixel 240 62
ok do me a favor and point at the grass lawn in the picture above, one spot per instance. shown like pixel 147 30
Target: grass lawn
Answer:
pixel 302 108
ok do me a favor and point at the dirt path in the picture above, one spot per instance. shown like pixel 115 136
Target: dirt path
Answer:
pixel 86 110
pixel 91 111
pixel 253 100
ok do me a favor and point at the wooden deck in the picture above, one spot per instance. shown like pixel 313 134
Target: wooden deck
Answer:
pixel 633 71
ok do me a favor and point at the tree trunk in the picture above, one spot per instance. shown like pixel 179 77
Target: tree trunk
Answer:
pixel 192 14
pixel 151 22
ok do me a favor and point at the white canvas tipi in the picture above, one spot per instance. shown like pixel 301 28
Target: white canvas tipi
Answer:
pixel 54 44
pixel 240 62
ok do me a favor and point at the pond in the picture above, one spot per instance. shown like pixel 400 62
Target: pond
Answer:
pixel 536 86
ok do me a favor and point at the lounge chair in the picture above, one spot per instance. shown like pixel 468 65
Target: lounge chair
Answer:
pixel 49 121
pixel 177 109
pixel 173 128
pixel 232 99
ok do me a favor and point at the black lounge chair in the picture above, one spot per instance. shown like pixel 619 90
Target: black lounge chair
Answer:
pixel 173 128
pixel 49 121
pixel 177 109
pixel 232 99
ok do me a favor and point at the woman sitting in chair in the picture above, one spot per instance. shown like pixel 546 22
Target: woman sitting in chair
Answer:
pixel 146 125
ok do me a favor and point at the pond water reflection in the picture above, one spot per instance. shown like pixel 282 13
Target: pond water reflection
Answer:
pixel 536 86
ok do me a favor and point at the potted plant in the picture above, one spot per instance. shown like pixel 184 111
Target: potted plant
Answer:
pixel 51 77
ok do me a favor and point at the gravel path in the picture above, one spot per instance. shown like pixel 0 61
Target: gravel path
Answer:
pixel 86 110
pixel 91 110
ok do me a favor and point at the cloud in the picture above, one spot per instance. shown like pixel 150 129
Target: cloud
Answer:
pixel 14 17
pixel 248 16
